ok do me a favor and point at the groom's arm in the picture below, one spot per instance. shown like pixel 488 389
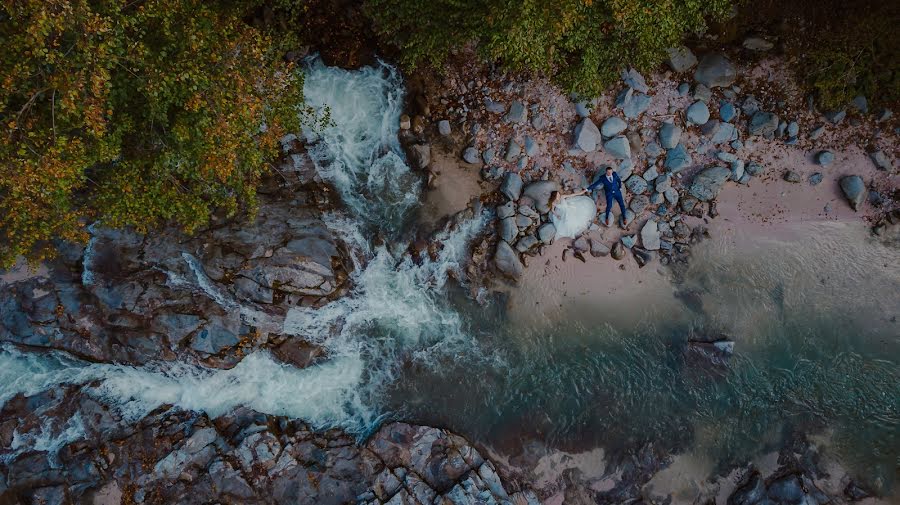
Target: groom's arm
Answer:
pixel 594 185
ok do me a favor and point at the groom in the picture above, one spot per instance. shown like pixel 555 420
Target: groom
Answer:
pixel 612 187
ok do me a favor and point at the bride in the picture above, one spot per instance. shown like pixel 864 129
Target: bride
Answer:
pixel 571 214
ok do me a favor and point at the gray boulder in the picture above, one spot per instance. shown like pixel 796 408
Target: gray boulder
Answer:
pixel 525 243
pixel 489 155
pixel 513 150
pixel 854 190
pixel 506 210
pixel 444 127
pixel 636 105
pixel 669 135
pixel 507 261
pixel 727 111
pixel 512 186
pixel 681 59
pixel 618 147
pixel 639 203
pixel 677 159
pixel 715 70
pixel 518 113
pixel 539 192
pixel 635 80
pixel 709 182
pixel 470 155
pixel 494 107
pixel 508 229
pixel 546 233
pixel 613 126
pixel 698 113
pixel 763 124
pixel 881 160
pixel 531 146
pixel 587 135
pixel 824 158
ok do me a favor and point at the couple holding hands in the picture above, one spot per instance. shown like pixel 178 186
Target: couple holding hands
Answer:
pixel 573 214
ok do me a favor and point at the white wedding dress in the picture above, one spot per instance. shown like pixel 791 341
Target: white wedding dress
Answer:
pixel 573 215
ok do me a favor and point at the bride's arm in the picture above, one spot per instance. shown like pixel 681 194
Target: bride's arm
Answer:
pixel 583 191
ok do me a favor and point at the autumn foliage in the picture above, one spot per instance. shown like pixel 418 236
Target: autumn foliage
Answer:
pixel 137 112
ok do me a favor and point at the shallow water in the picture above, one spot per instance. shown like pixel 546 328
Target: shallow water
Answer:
pixel 811 314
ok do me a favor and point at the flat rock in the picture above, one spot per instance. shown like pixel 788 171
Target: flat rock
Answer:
pixel 650 235
pixel 709 182
pixel 639 203
pixel 715 70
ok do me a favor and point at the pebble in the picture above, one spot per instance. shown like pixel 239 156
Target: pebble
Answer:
pixel 791 176
pixel 815 179
pixel 683 89
pixel 629 240
pixel 793 129
pixel 824 158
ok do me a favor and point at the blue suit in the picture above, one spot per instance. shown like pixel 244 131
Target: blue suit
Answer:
pixel 612 189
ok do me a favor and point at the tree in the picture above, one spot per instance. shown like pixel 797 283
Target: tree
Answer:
pixel 133 113
pixel 582 43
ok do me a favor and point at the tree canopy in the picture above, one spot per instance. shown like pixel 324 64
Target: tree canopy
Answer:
pixel 582 43
pixel 133 113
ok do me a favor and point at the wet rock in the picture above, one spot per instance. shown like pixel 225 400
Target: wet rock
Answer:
pixel 715 70
pixel 763 124
pixel 507 261
pixel 669 135
pixel 216 337
pixel 587 135
pixel 681 59
pixel 618 147
pixel 613 126
pixel 511 187
pixel 471 156
pixel 677 159
pixel 750 493
pixel 709 182
pixel 854 190
pixel 539 192
pixel 420 156
pixel 786 490
pixel 517 114
pixel 405 122
pixel 698 113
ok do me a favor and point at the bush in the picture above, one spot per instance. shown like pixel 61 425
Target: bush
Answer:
pixel 133 113
pixel 581 43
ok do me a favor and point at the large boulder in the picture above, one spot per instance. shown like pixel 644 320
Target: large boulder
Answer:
pixel 539 192
pixel 618 147
pixel 507 261
pixel 669 135
pixel 650 236
pixel 511 186
pixel 613 126
pixel 854 190
pixel 677 159
pixel 518 113
pixel 709 182
pixel 715 70
pixel 587 135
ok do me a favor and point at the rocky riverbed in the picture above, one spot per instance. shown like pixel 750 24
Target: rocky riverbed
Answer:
pixel 244 364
